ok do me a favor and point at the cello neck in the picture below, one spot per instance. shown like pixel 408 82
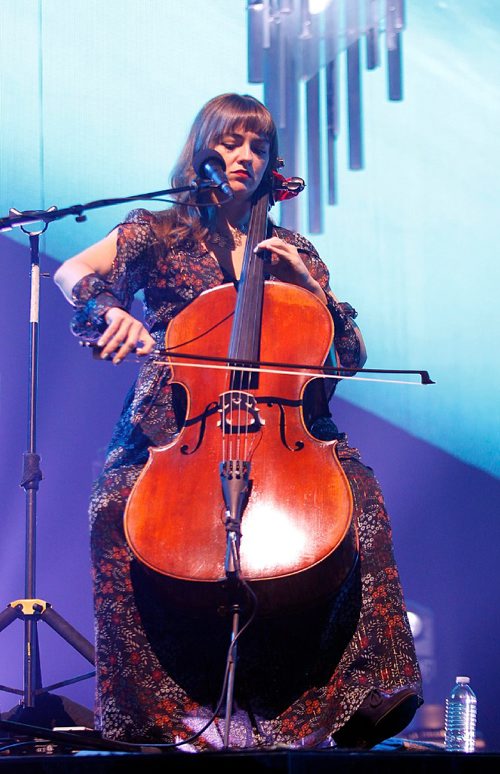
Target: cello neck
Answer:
pixel 246 330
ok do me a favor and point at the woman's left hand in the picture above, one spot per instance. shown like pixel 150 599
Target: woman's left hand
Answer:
pixel 287 265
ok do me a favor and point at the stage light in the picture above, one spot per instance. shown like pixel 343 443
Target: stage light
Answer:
pixel 421 620
pixel 318 6
pixel 416 623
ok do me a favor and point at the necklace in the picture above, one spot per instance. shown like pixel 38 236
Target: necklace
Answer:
pixel 235 239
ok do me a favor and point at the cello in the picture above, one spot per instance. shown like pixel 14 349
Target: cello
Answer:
pixel 244 490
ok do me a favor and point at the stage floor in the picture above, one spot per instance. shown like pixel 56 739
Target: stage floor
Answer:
pixel 396 756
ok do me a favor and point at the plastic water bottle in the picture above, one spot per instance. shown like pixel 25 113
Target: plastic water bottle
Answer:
pixel 460 717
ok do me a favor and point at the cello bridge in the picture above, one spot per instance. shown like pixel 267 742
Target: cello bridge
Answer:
pixel 239 413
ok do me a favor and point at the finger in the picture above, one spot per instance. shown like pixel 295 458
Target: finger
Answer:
pixel 117 338
pixel 114 343
pixel 130 343
pixel 138 340
pixel 281 251
pixel 146 344
pixel 110 332
pixel 269 244
pixel 124 350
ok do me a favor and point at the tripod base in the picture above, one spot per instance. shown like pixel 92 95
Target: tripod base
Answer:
pixel 38 609
pixel 39 707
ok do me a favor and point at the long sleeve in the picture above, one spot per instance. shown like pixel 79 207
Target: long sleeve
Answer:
pixel 94 294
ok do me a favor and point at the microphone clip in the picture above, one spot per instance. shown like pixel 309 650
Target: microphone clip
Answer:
pixel 209 165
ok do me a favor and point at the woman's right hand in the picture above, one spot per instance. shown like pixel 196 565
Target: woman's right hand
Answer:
pixel 124 334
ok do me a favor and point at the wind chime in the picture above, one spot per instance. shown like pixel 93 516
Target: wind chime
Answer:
pixel 294 50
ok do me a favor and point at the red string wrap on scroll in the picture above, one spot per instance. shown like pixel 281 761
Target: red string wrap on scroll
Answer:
pixel 286 187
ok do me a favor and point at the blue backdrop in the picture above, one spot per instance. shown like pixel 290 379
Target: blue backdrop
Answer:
pixel 95 101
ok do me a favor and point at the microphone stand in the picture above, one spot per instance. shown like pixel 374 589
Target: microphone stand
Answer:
pixel 47 216
pixel 30 608
pixel 234 479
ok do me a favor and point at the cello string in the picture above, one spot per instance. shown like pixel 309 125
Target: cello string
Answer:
pixel 254 268
pixel 223 419
pixel 243 342
pixel 244 331
pixel 236 436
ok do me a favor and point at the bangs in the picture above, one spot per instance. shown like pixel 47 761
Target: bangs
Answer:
pixel 233 113
pixel 252 122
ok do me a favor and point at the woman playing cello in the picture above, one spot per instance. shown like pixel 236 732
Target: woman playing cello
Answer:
pixel 341 671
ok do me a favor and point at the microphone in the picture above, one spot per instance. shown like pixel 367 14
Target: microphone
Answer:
pixel 209 165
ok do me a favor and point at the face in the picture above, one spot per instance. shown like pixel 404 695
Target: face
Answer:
pixel 246 155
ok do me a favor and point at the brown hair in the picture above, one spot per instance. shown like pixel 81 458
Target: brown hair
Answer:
pixel 220 116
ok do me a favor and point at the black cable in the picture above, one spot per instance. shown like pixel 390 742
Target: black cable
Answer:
pixel 26 743
pixel 170 745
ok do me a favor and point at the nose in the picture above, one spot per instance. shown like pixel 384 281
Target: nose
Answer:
pixel 245 153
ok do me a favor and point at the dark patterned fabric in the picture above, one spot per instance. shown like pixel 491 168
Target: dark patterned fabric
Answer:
pixel 160 669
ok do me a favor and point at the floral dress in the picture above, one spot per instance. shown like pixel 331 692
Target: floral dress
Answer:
pixel 301 675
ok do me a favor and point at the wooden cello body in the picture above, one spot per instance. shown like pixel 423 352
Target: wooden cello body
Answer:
pixel 244 454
